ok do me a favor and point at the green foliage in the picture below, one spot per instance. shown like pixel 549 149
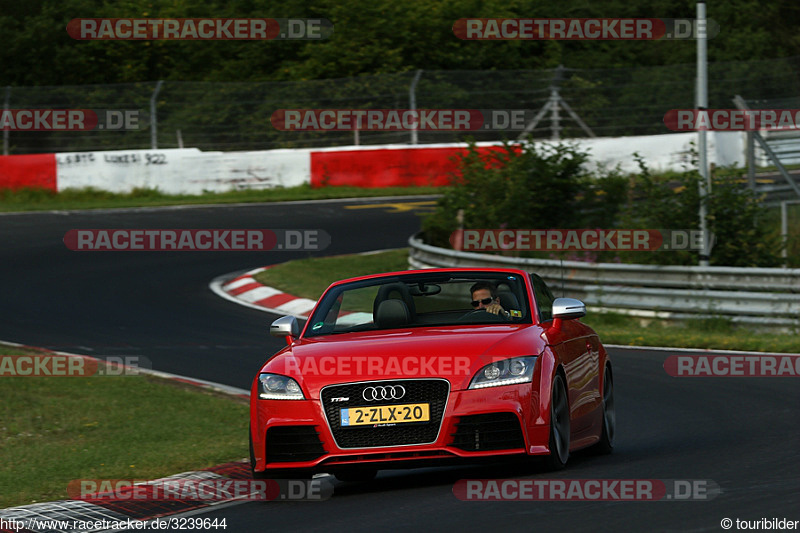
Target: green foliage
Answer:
pixel 735 218
pixel 737 221
pixel 669 201
pixel 535 186
pixel 542 186
pixel 370 37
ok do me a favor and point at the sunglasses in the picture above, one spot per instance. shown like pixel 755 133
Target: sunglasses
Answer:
pixel 485 301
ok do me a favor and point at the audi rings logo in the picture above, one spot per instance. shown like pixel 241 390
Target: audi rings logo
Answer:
pixel 389 392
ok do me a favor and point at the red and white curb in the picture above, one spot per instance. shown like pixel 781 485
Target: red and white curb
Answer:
pixel 245 290
pixel 72 516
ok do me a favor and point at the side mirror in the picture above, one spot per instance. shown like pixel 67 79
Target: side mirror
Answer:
pixel 568 308
pixel 285 326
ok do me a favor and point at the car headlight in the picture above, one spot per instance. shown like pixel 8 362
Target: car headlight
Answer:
pixel 505 372
pixel 277 387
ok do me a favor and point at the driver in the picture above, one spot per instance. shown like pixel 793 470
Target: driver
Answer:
pixel 484 297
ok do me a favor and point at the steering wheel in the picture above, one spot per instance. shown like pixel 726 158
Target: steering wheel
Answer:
pixel 481 314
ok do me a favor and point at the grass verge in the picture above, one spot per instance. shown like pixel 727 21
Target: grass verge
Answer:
pixel 308 278
pixel 44 200
pixel 57 429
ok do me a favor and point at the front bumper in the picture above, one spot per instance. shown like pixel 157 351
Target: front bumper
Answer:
pixel 476 424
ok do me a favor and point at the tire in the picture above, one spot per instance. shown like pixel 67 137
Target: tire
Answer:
pixel 559 426
pixel 606 444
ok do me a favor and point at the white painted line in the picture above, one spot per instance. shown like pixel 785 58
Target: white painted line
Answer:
pixel 255 271
pixel 373 252
pixel 220 387
pixel 703 350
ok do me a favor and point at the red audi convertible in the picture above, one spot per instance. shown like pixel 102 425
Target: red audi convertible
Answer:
pixel 428 367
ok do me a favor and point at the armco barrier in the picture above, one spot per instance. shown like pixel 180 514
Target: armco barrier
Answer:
pixel 767 296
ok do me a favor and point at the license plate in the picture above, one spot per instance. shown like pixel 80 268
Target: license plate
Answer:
pixel 385 414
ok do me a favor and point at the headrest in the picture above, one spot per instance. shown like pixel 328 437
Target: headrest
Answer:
pixel 395 291
pixel 508 300
pixel 392 314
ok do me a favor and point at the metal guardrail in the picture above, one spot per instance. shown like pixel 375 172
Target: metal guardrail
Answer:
pixel 766 296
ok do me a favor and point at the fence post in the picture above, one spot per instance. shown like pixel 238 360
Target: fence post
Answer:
pixel 412 104
pixel 702 105
pixel 555 99
pixel 153 120
pixel 784 234
pixel 5 108
pixel 751 160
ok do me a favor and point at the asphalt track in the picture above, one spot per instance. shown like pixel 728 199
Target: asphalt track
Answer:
pixel 741 433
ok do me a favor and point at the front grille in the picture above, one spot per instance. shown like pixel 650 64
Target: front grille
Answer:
pixel 286 444
pixel 430 391
pixel 491 431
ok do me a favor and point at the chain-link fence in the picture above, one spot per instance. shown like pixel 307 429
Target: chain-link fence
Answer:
pixel 236 116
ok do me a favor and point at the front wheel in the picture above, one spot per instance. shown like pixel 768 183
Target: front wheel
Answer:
pixel 559 426
pixel 606 444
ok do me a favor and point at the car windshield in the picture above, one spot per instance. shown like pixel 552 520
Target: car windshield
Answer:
pixel 422 299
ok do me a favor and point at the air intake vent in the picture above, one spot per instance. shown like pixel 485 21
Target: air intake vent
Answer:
pixel 491 431
pixel 286 444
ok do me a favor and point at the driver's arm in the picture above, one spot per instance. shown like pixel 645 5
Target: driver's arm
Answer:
pixel 497 309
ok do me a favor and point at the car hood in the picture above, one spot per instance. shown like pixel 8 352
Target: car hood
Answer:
pixel 454 353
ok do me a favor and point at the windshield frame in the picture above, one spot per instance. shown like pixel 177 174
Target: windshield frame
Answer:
pixel 328 301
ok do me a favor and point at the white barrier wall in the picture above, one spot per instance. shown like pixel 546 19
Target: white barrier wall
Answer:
pixel 664 152
pixel 185 171
pixel 190 171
